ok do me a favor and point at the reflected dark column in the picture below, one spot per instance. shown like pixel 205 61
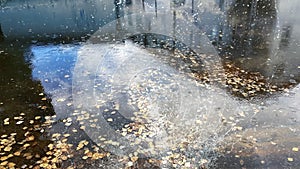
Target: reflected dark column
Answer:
pixel 193 6
pixel 143 2
pixel 155 7
pixel 1 34
pixel 221 5
pixel 174 30
pixel 118 6
pixel 118 9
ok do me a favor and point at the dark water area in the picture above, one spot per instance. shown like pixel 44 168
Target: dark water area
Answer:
pixel 149 84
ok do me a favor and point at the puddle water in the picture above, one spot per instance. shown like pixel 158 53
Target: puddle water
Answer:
pixel 149 84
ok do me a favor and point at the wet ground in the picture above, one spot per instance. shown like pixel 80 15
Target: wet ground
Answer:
pixel 149 84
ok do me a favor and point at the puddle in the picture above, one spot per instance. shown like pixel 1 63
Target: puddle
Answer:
pixel 149 84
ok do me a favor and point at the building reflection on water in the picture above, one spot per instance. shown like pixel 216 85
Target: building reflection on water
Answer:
pixel 245 26
pixel 258 36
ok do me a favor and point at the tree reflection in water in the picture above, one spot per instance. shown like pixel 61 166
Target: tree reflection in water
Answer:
pixel 1 34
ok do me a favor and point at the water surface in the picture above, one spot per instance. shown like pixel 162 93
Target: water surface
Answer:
pixel 149 84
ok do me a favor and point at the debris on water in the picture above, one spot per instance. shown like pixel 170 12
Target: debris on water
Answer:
pixel 61 100
pixel 37 117
pixel 130 163
pixel 19 122
pixel 110 119
pixel 296 149
pixel 69 104
pixel 247 84
pixel 6 121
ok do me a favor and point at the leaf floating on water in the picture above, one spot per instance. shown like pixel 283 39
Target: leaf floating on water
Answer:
pixel 117 106
pixel 66 135
pixel 3 136
pixel 54 160
pixel 4 163
pixel 37 117
pixel 61 100
pixel 45 165
pixel 290 159
pixel 130 163
pixel 4 158
pixel 26 145
pixel 18 153
pixel 8 148
pixel 49 153
pixel 187 164
pixel 30 138
pixel 28 156
pixel 134 158
pixel 96 156
pixel 56 135
pixel 6 121
pixel 18 118
pixel 11 165
pixel 63 157
pixel 296 149
pixel 239 128
pixel 85 157
pixel 64 140
pixel 19 122
pixel 82 144
pixel 68 124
